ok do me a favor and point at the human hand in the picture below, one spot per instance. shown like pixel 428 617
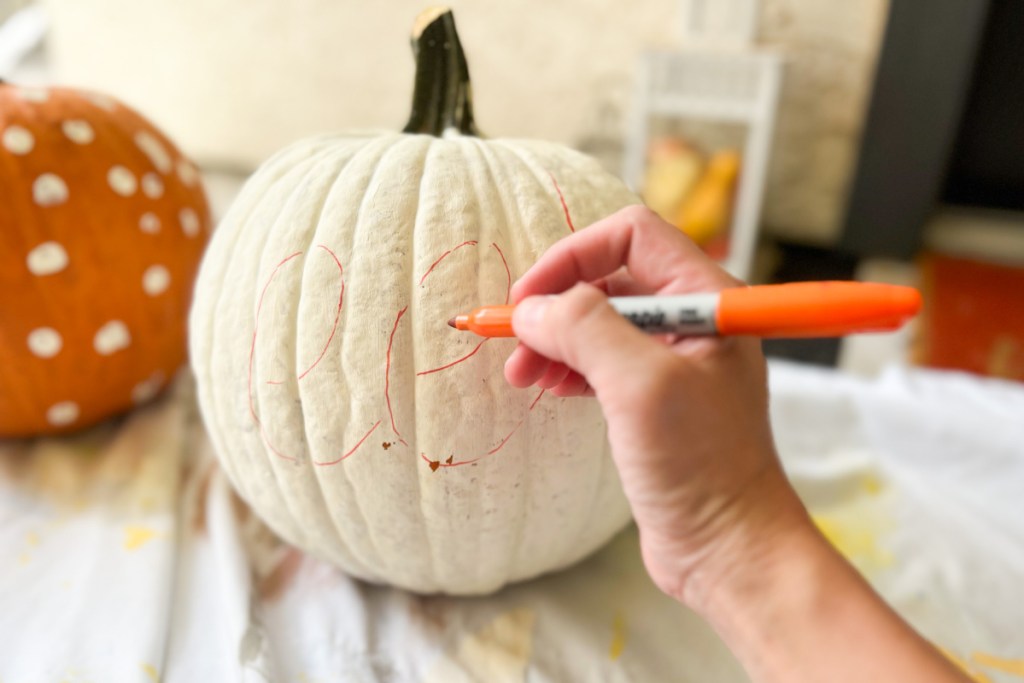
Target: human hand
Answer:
pixel 687 418
pixel 720 527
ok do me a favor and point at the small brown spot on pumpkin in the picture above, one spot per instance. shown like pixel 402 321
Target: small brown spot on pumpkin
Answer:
pixel 434 464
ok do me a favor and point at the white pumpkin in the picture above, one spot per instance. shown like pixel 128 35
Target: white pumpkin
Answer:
pixel 345 411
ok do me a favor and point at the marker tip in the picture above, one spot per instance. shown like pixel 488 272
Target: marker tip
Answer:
pixel 451 322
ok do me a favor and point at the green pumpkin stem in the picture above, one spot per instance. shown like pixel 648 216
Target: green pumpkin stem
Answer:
pixel 442 99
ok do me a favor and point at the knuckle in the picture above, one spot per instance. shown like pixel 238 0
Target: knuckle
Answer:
pixel 576 309
pixel 640 216
pixel 580 300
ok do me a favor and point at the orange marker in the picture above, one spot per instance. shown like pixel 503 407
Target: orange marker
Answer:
pixel 799 309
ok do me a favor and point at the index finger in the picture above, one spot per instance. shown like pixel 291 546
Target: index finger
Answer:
pixel 658 257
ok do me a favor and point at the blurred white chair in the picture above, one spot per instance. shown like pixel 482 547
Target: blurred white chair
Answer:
pixel 724 80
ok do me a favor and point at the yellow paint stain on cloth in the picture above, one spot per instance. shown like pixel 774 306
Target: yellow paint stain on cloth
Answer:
pixel 497 653
pixel 856 539
pixel 871 484
pixel 137 536
pixel 975 676
pixel 31 541
pixel 1013 667
pixel 619 633
pixel 151 672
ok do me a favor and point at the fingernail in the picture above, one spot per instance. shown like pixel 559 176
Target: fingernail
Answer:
pixel 530 312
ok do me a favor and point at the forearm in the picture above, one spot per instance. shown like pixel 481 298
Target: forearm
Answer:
pixel 799 612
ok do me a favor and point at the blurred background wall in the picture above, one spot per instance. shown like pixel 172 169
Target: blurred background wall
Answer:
pixel 889 112
pixel 234 80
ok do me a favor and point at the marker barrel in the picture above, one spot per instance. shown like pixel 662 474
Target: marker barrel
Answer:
pixel 801 309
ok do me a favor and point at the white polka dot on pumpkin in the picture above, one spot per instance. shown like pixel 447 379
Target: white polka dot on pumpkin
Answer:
pixel 152 186
pixel 189 222
pixel 18 140
pixel 49 189
pixel 149 222
pixel 45 342
pixel 78 131
pixel 122 181
pixel 102 101
pixel 62 414
pixel 187 172
pixel 153 149
pixel 156 280
pixel 47 258
pixel 148 388
pixel 111 338
pixel 33 94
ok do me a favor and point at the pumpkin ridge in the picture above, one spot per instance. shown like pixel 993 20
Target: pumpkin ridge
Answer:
pixel 314 166
pixel 507 229
pixel 601 463
pixel 544 176
pixel 321 226
pixel 419 472
pixel 493 159
pixel 337 314
pixel 491 155
pixel 271 227
pixel 393 145
pixel 315 240
pixel 230 229
pixel 526 156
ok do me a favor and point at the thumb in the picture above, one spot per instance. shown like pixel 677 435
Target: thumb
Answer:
pixel 582 330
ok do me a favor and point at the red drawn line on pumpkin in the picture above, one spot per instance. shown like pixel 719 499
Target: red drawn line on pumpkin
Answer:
pixel 337 317
pixel 442 257
pixel 539 396
pixel 508 272
pixel 252 356
pixel 561 198
pixel 352 450
pixel 508 289
pixel 387 376
pixel 504 441
pixel 436 464
pixel 454 362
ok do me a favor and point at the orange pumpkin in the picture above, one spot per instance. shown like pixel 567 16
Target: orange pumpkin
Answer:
pixel 102 225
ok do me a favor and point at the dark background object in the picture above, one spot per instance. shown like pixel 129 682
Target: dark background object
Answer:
pixel 799 264
pixel 987 167
pixel 923 81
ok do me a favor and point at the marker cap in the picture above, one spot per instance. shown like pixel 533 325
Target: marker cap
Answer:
pixel 815 309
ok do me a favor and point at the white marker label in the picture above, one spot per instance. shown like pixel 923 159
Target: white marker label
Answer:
pixel 690 314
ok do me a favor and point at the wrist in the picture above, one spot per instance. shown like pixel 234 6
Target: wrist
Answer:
pixel 792 609
pixel 769 533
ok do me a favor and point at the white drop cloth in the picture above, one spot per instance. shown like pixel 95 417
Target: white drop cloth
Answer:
pixel 125 557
